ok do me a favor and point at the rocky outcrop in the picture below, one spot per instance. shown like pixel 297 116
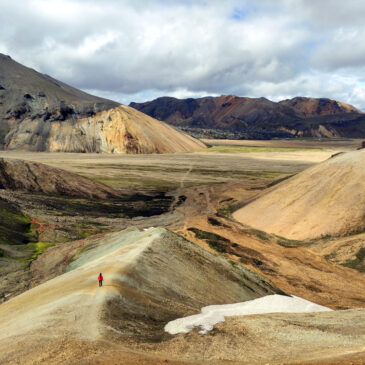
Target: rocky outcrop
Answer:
pixel 258 118
pixel 36 177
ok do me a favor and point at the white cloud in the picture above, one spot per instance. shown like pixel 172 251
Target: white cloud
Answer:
pixel 150 94
pixel 132 49
pixel 314 84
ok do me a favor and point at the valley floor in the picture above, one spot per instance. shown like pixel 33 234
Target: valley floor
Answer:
pixel 213 184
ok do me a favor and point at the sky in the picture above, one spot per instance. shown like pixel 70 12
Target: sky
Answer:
pixel 138 50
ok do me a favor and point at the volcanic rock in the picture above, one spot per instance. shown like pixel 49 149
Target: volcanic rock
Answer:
pixel 26 94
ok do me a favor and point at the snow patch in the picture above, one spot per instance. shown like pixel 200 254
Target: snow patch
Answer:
pixel 213 314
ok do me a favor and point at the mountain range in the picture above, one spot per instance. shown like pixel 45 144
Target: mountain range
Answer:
pixel 40 113
pixel 230 116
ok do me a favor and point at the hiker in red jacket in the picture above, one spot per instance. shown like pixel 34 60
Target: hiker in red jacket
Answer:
pixel 100 278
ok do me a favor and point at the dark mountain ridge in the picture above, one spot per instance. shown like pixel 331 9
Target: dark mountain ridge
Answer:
pixel 27 95
pixel 258 118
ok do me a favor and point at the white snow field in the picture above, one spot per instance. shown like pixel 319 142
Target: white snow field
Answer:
pixel 213 314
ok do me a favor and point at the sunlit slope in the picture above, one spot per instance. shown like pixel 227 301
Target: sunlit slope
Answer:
pixel 151 277
pixel 325 200
pixel 39 113
pixel 118 130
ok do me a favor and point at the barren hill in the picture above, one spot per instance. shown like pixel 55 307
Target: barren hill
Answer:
pixel 258 118
pixel 150 277
pixel 39 113
pixel 325 200
pixel 36 177
pixel 118 130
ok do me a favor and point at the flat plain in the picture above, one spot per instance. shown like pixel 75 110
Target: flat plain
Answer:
pixel 226 161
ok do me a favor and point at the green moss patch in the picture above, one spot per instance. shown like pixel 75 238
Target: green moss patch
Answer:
pixel 359 262
pixel 282 241
pixel 260 234
pixel 38 248
pixel 15 227
pixel 214 222
pixel 137 182
pixel 249 149
pixel 130 206
pixel 278 181
pixel 216 242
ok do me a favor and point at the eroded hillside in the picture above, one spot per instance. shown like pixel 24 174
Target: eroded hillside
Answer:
pixel 118 130
pixel 39 113
pixel 26 94
pixel 325 200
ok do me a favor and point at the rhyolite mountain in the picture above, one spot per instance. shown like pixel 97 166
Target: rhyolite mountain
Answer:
pixel 326 200
pixel 230 116
pixel 39 113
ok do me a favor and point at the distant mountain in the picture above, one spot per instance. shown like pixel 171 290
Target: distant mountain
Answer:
pixel 311 107
pixel 39 113
pixel 258 118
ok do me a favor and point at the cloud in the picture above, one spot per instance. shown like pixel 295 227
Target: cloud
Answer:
pixel 135 49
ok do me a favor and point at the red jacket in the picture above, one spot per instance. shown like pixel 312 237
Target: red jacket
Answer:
pixel 100 277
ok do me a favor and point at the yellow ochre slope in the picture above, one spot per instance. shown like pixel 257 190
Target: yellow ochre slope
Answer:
pixel 325 200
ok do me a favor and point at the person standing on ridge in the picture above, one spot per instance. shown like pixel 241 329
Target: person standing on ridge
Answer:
pixel 100 278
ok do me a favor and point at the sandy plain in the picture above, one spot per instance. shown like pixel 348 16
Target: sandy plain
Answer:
pixel 211 166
